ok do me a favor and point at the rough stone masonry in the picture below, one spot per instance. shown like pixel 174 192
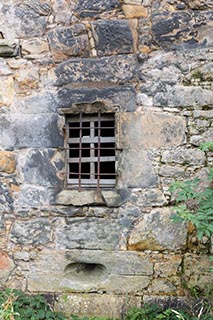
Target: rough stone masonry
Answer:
pixel 150 62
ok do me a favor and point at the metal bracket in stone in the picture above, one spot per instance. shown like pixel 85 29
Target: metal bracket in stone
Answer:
pixel 9 48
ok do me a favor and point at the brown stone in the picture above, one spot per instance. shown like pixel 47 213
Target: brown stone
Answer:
pixel 6 265
pixel 134 11
pixel 6 91
pixel 7 162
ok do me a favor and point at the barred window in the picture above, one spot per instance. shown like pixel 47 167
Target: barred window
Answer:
pixel 90 150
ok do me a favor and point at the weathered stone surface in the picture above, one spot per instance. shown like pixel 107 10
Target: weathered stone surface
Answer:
pixel 35 231
pixel 9 48
pixel 111 306
pixel 156 231
pixel 182 30
pixel 27 78
pixel 163 286
pixel 134 11
pixel 45 102
pixel 37 168
pixel 6 266
pixel 93 8
pixel 63 11
pixel 112 36
pixel 37 131
pixel 122 96
pixel 7 162
pixel 6 199
pixel 115 198
pixel 4 68
pixel 197 271
pixel 32 196
pixel 205 137
pixel 79 198
pixel 184 156
pixel 176 303
pixel 66 42
pixel 7 91
pixel 114 69
pixel 136 170
pixel 173 171
pixel 24 19
pixel 170 266
pixel 34 48
pixel 151 130
pixel 101 234
pixel 149 198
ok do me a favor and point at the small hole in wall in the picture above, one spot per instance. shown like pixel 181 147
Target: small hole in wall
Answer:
pixel 83 271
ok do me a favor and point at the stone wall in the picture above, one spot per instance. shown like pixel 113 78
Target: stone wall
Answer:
pixel 150 61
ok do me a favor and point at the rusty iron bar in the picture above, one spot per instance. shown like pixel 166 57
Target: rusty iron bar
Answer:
pixel 80 153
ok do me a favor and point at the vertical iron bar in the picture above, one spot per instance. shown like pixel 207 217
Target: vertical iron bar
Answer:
pixel 80 152
pixel 99 150
pixel 92 150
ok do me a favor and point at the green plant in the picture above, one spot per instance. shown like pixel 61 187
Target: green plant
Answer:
pixel 206 146
pixel 15 305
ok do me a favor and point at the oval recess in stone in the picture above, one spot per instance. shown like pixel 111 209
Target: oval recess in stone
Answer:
pixel 86 272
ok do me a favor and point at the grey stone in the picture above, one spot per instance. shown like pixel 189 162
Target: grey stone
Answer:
pixel 6 132
pixel 182 30
pixel 184 156
pixel 6 199
pixel 156 231
pixel 39 131
pixel 151 130
pixel 79 198
pixel 163 286
pixel 45 102
pixel 9 48
pixel 100 234
pixel 112 37
pixel 207 136
pixel 72 41
pixel 150 198
pixel 35 231
pixel 93 8
pixel 173 171
pixel 36 168
pixel 115 198
pixel 136 170
pixel 33 196
pixel 122 96
pixel 115 69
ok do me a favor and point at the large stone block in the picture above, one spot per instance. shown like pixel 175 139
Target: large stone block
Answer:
pixel 37 131
pixel 156 231
pixel 136 170
pixel 105 305
pixel 135 11
pixel 34 197
pixel 115 69
pixel 112 36
pixel 121 96
pixel 7 162
pixel 9 48
pixel 6 132
pixel 24 18
pixel 36 167
pixel 66 42
pixel 193 157
pixel 33 232
pixel 93 8
pixel 151 130
pixel 100 234
pixel 182 30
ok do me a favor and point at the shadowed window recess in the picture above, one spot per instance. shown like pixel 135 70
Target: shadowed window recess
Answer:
pixel 90 150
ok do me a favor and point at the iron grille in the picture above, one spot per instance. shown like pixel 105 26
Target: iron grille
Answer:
pixel 91 150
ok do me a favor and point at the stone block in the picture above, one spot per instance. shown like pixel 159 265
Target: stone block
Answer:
pixel 121 96
pixel 33 232
pixel 156 231
pixel 7 91
pixel 36 167
pixel 151 130
pixel 6 199
pixel 66 42
pixel 134 11
pixel 7 162
pixel 101 234
pixel 165 286
pixel 6 132
pixel 136 170
pixel 9 48
pixel 197 272
pixel 34 197
pixel 150 198
pixel 112 37
pixel 37 131
pixel 170 266
pixel 26 78
pixel 93 8
pixel 105 305
pixel 4 68
pixel 192 157
pixel 44 102
pixel 6 266
pixel 79 198
pixel 34 48
pixel 115 69
pixel 182 30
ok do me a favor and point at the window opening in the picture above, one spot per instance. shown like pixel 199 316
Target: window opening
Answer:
pixel 91 150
